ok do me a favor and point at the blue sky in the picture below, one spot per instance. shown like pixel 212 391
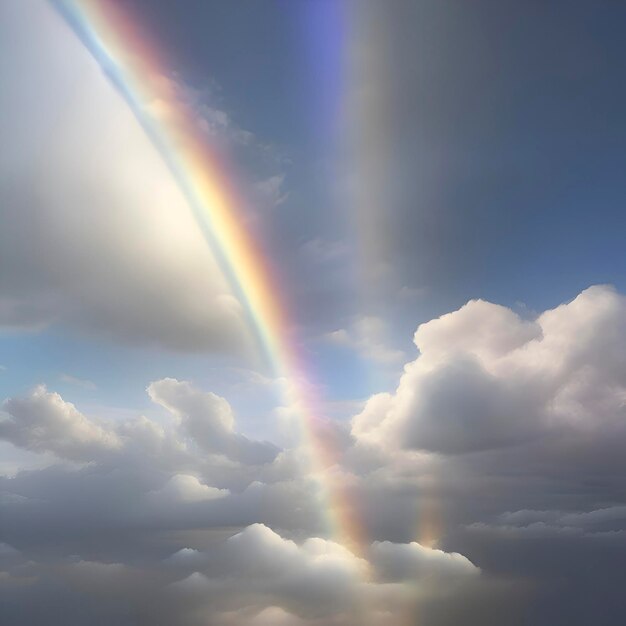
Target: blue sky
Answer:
pixel 518 109
pixel 505 181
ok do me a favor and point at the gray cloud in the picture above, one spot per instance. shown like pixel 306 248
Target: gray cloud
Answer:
pixel 242 579
pixel 188 522
pixel 116 525
pixel 607 524
pixel 502 441
pixel 209 420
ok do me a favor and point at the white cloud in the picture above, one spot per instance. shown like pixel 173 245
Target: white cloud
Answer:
pixel 486 378
pixel 318 578
pixel 216 123
pixel 413 561
pixel 184 488
pixel 44 422
pixel 100 237
pixel 209 420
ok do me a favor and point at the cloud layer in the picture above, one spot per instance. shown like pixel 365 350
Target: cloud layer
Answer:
pixel 138 511
pixel 490 480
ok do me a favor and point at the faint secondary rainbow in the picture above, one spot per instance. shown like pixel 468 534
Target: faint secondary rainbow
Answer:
pixel 140 74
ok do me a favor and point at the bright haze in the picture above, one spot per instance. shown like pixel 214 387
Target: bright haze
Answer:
pixel 312 313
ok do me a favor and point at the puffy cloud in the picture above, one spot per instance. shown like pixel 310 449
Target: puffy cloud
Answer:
pixel 187 521
pixel 317 579
pixel 137 475
pixel 480 328
pixel 209 420
pixel 249 577
pixel 44 422
pixel 502 442
pixel 260 548
pixel 185 488
pixel 412 561
pixel 121 525
pixel 486 378
pixel 133 474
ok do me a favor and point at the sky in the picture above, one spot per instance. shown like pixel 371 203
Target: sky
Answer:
pixel 312 312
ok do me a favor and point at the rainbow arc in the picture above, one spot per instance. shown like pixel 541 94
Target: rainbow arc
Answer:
pixel 139 72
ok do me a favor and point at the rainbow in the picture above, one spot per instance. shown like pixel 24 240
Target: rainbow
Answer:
pixel 140 74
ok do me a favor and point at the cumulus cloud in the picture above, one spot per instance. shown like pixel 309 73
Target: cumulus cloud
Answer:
pixel 137 473
pixel 316 581
pixel 247 578
pixel 506 433
pixel 186 488
pixel 486 378
pixel 209 420
pixel 44 422
pixel 137 481
pixel 502 445
pixel 318 577
pixel 396 561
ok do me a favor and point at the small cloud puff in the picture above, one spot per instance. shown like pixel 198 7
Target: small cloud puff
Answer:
pixel 184 488
pixel 44 422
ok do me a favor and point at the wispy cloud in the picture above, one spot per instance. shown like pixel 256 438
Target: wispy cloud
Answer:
pixel 78 382
pixel 271 190
pixel 368 336
pixel 319 251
